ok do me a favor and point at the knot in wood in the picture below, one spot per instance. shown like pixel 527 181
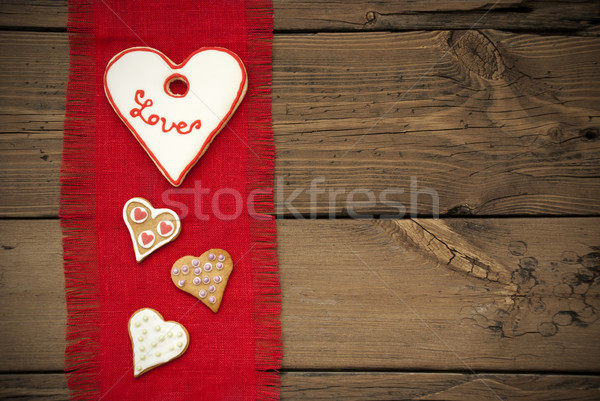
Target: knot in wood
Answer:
pixel 477 53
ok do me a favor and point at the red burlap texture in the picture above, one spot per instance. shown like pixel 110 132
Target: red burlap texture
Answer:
pixel 234 354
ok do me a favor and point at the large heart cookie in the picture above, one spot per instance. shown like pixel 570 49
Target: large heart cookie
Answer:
pixel 154 341
pixel 149 228
pixel 175 127
pixel 204 277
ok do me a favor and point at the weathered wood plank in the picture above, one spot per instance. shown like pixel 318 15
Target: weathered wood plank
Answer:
pixel 575 17
pixel 372 386
pixel 517 133
pixel 482 294
pixel 519 15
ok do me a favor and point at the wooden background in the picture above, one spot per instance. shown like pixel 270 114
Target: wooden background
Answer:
pixel 498 299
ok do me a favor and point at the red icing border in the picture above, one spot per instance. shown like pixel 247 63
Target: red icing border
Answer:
pixel 243 84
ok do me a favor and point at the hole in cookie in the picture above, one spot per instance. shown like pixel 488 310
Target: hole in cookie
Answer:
pixel 177 85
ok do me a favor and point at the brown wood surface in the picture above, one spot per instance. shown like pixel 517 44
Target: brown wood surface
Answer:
pixel 458 294
pixel 513 130
pixel 371 386
pixel 501 121
pixel 573 16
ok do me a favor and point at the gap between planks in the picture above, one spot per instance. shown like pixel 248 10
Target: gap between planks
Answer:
pixel 372 386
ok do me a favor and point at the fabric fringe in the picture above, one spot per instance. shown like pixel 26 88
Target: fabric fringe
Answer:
pixel 263 231
pixel 77 205
pixel 77 208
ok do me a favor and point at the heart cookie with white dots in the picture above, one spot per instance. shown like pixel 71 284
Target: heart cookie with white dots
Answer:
pixel 154 341
pixel 149 228
pixel 204 277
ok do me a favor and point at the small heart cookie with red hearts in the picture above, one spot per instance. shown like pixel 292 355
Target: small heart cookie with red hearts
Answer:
pixel 154 341
pixel 204 277
pixel 149 228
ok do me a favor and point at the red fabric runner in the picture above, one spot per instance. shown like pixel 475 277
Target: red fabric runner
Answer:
pixel 234 354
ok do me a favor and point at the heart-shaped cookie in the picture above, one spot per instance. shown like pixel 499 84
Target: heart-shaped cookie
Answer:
pixel 175 127
pixel 149 228
pixel 154 341
pixel 204 277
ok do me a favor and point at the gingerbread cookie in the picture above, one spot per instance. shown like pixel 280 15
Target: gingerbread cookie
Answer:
pixel 149 228
pixel 204 277
pixel 175 128
pixel 154 341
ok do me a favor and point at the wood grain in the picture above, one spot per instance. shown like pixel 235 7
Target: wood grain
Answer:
pixel 513 130
pixel 452 294
pixel 573 17
pixel 371 386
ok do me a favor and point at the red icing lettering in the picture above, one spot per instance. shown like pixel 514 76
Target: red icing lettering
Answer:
pixel 153 119
pixel 164 228
pixel 147 238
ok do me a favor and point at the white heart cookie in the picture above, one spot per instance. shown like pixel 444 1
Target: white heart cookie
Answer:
pixel 155 342
pixel 175 129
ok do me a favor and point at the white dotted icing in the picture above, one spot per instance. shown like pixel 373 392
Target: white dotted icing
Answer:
pixel 164 348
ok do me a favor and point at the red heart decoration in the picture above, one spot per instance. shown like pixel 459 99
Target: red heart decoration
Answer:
pixel 147 238
pixel 165 228
pixel 139 213
pixel 149 228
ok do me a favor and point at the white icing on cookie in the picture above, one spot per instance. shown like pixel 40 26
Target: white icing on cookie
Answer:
pixel 155 341
pixel 138 215
pixel 175 130
pixel 143 240
pixel 165 228
pixel 146 239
